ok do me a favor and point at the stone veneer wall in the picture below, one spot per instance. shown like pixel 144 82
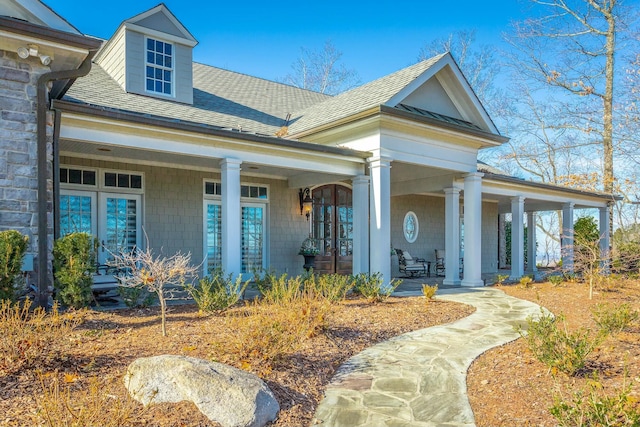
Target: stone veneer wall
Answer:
pixel 18 150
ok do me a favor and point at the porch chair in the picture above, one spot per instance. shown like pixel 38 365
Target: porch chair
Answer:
pixel 412 267
pixel 440 262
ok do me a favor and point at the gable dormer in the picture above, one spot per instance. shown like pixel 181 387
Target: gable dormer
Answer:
pixel 151 54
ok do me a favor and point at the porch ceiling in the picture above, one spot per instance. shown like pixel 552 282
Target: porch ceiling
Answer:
pixel 407 178
pixel 121 154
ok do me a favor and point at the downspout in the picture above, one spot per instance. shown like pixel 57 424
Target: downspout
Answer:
pixel 41 117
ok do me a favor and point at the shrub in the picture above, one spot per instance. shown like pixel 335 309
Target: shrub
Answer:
pixel 13 246
pixel 332 287
pixel 28 336
pixel 217 293
pixel 429 291
pixel 500 278
pixel 556 347
pixel 594 407
pixel 264 280
pixel 137 296
pixel 371 287
pixel 265 333
pixel 283 290
pixel 526 281
pixel 556 280
pixel 74 262
pixel 613 320
pixel 93 406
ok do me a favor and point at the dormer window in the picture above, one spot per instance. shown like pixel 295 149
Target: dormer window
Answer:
pixel 159 75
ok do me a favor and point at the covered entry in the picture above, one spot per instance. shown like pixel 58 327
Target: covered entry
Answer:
pixel 332 229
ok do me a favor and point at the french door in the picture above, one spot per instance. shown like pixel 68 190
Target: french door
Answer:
pixel 332 229
pixel 253 236
pixel 119 224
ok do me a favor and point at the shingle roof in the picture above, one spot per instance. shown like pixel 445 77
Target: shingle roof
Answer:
pixel 369 95
pixel 220 98
pixel 237 101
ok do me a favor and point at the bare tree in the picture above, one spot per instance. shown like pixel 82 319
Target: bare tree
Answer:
pixel 156 273
pixel 321 71
pixel 477 62
pixel 571 46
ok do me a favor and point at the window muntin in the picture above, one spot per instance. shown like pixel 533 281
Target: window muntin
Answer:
pixel 77 212
pixel 159 67
pixel 247 191
pixel 123 180
pixel 84 177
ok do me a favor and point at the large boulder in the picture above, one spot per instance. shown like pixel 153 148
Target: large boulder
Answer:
pixel 226 395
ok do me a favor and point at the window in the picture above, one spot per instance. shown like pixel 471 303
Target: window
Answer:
pixel 410 227
pixel 159 68
pixel 246 191
pixel 123 180
pixel 77 176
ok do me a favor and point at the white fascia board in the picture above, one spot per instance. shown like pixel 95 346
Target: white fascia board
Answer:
pixel 547 195
pixel 47 16
pixel 8 40
pixel 160 35
pixel 168 141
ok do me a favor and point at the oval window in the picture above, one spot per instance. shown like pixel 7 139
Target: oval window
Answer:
pixel 410 227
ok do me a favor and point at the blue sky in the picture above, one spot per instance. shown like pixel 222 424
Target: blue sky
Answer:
pixel 263 38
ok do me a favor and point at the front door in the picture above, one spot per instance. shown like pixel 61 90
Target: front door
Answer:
pixel 333 229
pixel 119 225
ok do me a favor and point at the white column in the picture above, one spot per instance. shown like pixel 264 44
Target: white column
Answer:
pixel 473 230
pixel 517 237
pixel 502 242
pixel 231 217
pixel 380 211
pixel 605 254
pixel 566 238
pixel 531 243
pixel 360 224
pixel 452 236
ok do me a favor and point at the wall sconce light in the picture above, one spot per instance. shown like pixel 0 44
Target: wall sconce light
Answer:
pixel 32 50
pixel 306 202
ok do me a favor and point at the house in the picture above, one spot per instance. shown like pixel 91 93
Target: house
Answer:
pixel 132 141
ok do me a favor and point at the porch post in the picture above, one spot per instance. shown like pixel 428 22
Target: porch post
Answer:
pixel 231 226
pixel 452 236
pixel 566 238
pixel 380 212
pixel 531 243
pixel 473 230
pixel 517 237
pixel 502 242
pixel 360 224
pixel 605 253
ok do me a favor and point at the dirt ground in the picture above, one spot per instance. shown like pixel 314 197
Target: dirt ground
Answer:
pixel 107 342
pixel 506 385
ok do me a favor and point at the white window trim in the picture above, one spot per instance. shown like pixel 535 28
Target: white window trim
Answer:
pixel 242 199
pixel 172 69
pixel 104 188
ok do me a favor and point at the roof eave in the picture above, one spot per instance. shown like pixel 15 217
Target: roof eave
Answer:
pixel 163 122
pixel 542 185
pixel 28 29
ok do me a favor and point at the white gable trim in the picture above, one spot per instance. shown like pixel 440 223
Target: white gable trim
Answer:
pixel 159 34
pixel 187 39
pixel 45 16
pixel 458 90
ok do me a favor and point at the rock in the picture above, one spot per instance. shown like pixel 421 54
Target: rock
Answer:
pixel 226 395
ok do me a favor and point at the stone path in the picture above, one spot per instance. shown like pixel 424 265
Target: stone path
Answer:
pixel 418 379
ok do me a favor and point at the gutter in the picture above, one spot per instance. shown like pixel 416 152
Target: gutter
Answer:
pixel 42 296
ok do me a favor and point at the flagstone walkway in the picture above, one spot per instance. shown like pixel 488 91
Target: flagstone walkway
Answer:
pixel 418 379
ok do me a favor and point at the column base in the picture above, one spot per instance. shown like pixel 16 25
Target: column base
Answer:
pixel 473 283
pixel 448 282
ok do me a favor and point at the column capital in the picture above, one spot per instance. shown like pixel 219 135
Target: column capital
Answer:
pixel 518 199
pixel 472 176
pixel 360 179
pixel 452 190
pixel 230 163
pixel 568 205
pixel 379 161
